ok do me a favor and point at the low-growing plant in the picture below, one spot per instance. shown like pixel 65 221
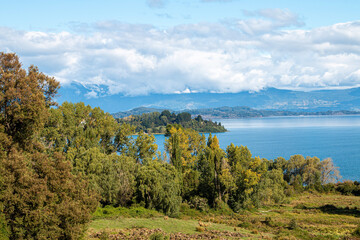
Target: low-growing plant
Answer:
pixel 356 233
pixel 199 203
pixel 293 224
pixel 110 211
pixel 268 221
pixel 200 229
pixel 104 235
pixel 244 224
pixel 158 236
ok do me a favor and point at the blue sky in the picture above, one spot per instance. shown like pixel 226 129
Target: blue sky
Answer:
pixel 103 49
pixel 60 15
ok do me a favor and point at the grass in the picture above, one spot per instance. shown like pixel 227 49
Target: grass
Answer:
pixel 307 216
pixel 171 225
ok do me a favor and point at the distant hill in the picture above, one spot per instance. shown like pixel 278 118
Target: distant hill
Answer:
pixel 235 112
pixel 246 112
pixel 136 111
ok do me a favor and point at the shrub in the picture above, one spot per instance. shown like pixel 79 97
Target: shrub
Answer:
pixel 200 229
pixel 245 224
pixel 268 221
pixel 158 236
pixel 293 224
pixel 199 203
pixel 356 233
pixel 110 211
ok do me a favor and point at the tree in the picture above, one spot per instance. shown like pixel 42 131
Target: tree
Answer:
pixel 40 197
pixel 24 98
pixel 329 173
pixel 294 170
pixel 76 125
pixel 183 117
pixel 145 147
pixel 158 186
pixel 311 172
pixel 184 146
pixel 270 188
pixel 211 165
pixel 247 172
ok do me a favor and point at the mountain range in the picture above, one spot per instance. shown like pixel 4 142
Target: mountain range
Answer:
pixel 267 99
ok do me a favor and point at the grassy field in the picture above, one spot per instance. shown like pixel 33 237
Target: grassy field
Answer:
pixel 308 216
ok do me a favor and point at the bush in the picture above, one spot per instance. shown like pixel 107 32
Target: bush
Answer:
pixel 199 203
pixel 200 229
pixel 135 212
pixel 158 236
pixel 268 221
pixel 245 224
pixel 222 208
pixel 49 201
pixel 186 210
pixel 293 224
pixel 356 233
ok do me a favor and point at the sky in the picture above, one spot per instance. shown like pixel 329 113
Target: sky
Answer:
pixel 99 49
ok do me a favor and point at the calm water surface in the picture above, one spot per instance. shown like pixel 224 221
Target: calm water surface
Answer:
pixel 337 137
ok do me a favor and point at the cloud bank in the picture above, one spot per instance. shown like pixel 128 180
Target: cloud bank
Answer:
pixel 265 50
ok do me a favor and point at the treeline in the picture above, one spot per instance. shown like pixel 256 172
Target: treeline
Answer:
pixel 58 164
pixel 247 112
pixel 156 122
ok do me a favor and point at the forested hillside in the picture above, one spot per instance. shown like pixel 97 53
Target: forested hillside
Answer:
pixel 246 112
pixel 58 164
pixel 156 122
pixel 236 112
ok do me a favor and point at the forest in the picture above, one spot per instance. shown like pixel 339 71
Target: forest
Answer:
pixel 60 163
pixel 156 122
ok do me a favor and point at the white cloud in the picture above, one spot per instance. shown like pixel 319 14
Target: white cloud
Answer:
pixel 251 54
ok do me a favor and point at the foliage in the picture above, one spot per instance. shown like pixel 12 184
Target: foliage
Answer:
pixel 130 212
pixel 4 231
pixel 57 164
pixel 25 97
pixel 356 233
pixel 40 197
pixel 158 236
pixel 348 187
pixel 156 122
pixel 158 186
pixel 247 112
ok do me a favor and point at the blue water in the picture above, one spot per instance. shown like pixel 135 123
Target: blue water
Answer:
pixel 337 137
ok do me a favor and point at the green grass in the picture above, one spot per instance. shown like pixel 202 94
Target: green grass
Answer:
pixel 110 212
pixel 307 216
pixel 170 225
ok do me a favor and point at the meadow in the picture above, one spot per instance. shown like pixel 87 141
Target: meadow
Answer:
pixel 306 216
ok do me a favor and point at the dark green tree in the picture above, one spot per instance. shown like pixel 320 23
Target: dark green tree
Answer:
pixel 158 187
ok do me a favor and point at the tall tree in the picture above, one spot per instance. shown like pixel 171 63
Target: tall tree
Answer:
pixel 41 198
pixel 25 97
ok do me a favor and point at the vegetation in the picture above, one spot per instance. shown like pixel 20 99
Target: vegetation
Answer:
pixel 237 112
pixel 304 216
pixel 39 197
pixel 156 122
pixel 58 164
pixel 247 112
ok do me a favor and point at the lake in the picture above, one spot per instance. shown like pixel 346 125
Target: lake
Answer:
pixel 337 137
